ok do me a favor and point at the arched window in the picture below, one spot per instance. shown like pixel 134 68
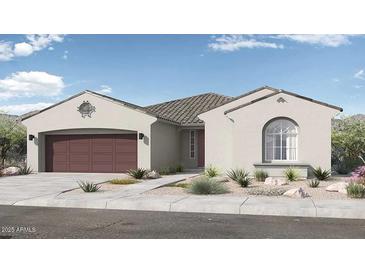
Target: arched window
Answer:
pixel 281 140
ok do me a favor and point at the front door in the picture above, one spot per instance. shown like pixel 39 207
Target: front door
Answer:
pixel 201 148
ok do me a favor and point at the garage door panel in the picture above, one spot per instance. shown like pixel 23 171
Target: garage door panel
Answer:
pixel 91 153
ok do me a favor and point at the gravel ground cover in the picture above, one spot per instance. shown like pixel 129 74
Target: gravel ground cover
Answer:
pixel 260 189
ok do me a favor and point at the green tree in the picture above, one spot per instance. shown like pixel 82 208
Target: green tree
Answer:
pixel 12 137
pixel 348 142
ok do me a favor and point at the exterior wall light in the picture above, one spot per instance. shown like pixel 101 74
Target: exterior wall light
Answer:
pixel 31 137
pixel 140 136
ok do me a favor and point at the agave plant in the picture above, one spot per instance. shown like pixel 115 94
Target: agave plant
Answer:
pixel 240 176
pixel 291 174
pixel 314 183
pixel 24 170
pixel 211 172
pixel 261 175
pixel 321 174
pixel 235 174
pixel 355 190
pixel 88 186
pixel 138 173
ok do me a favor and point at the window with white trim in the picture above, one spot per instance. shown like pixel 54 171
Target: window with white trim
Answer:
pixel 281 141
pixel 192 144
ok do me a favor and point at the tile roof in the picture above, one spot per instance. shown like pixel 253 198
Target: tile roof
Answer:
pixel 185 111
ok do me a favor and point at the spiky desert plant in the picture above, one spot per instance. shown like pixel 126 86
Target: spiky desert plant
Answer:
pixel 211 171
pixel 314 183
pixel 138 173
pixel 244 181
pixel 24 170
pixel 355 190
pixel 261 175
pixel 88 186
pixel 179 168
pixel 321 174
pixel 291 174
pixel 237 173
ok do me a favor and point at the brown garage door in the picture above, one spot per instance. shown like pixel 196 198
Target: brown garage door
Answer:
pixel 91 153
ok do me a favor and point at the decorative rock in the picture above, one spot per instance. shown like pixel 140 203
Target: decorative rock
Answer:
pixel 296 193
pixel 220 179
pixel 275 181
pixel 9 171
pixel 338 187
pixel 153 175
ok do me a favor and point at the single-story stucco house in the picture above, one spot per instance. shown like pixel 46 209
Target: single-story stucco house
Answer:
pixel 266 128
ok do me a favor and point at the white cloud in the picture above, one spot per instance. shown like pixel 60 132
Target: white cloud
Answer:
pixel 104 89
pixel 23 108
pixel 65 55
pixel 326 40
pixel 6 52
pixel 41 41
pixel 23 49
pixel 336 80
pixel 32 83
pixel 229 43
pixel 358 86
pixel 35 42
pixel 360 74
pixel 51 48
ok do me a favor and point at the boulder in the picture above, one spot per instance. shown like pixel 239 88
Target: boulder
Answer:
pixel 220 179
pixel 153 175
pixel 275 181
pixel 338 187
pixel 9 171
pixel 296 193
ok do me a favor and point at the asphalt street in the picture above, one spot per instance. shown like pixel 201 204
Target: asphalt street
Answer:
pixel 55 223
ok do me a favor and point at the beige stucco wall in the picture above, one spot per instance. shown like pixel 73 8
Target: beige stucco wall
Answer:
pixel 165 145
pixel 242 130
pixel 109 115
pixel 218 132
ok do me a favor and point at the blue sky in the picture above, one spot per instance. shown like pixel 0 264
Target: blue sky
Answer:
pixel 38 70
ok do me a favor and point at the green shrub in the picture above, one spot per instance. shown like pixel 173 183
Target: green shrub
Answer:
pixel 355 190
pixel 313 183
pixel 138 173
pixel 261 175
pixel 211 172
pixel 88 186
pixel 321 174
pixel 204 185
pixel 172 170
pixel 24 170
pixel 118 181
pixel 164 171
pixel 291 174
pixel 179 168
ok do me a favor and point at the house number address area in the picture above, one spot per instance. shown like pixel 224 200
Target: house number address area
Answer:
pixel 18 229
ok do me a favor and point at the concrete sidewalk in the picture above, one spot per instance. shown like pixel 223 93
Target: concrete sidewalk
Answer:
pixel 353 209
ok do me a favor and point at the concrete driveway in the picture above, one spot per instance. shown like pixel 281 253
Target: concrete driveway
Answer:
pixel 18 188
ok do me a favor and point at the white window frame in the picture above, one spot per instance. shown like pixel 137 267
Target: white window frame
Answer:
pixel 192 147
pixel 281 134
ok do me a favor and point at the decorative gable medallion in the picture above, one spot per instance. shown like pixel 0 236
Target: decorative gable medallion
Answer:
pixel 281 100
pixel 86 109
